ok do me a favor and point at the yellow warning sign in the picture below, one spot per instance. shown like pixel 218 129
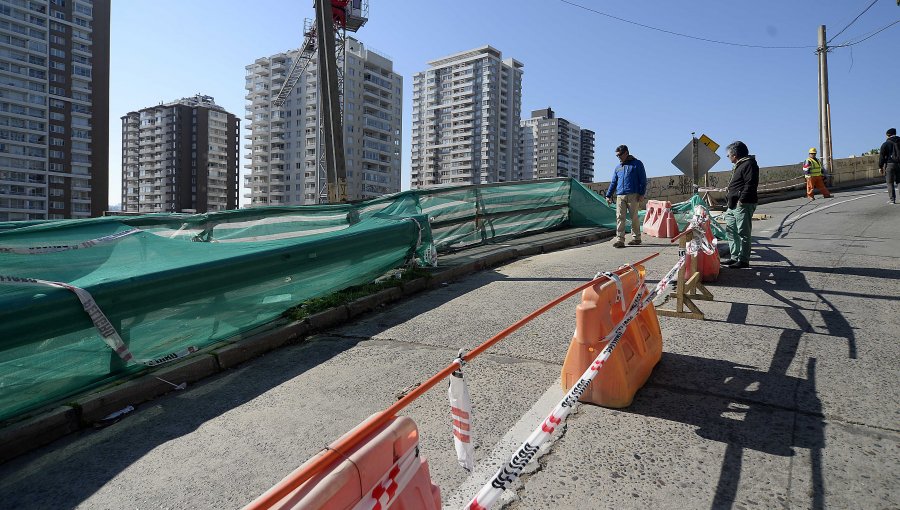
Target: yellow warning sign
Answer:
pixel 707 141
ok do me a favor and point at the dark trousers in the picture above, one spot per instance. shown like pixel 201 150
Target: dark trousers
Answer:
pixel 891 176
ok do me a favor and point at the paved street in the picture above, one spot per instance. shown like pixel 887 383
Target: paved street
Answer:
pixel 785 397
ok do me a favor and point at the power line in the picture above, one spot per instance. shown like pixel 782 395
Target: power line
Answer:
pixel 685 35
pixel 873 34
pixel 854 20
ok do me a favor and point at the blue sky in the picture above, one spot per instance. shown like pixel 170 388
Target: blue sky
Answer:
pixel 630 85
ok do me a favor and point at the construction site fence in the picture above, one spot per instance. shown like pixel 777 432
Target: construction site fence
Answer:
pixel 87 302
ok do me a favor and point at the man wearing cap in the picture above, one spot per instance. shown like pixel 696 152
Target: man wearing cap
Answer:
pixel 629 183
pixel 812 170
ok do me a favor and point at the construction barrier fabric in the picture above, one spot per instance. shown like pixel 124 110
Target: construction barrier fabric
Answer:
pixel 167 285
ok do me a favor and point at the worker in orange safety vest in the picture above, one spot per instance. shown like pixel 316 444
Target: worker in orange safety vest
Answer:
pixel 812 170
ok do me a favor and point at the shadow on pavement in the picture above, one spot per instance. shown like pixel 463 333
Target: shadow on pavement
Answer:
pixel 739 406
pixel 748 407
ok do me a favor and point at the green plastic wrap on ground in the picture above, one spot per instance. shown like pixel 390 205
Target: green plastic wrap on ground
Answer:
pixel 173 281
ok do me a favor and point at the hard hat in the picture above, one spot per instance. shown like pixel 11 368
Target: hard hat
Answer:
pixel 812 150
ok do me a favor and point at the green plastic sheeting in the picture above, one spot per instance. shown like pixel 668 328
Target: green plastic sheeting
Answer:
pixel 168 282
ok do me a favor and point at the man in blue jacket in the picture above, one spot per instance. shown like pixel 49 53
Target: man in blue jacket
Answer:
pixel 629 184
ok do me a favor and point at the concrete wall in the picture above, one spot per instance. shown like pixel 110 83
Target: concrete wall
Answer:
pixel 676 188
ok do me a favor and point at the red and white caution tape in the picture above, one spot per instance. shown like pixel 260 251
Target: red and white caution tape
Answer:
pixel 461 416
pixel 39 250
pixel 699 242
pixel 385 492
pixel 104 326
pixel 491 491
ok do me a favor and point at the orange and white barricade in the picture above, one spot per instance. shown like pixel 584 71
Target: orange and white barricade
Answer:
pixel 602 307
pixel 383 471
pixel 659 220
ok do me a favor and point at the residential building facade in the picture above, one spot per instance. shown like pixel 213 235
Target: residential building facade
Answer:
pixel 180 156
pixel 465 119
pixel 284 142
pixel 554 147
pixel 54 109
pixel 586 172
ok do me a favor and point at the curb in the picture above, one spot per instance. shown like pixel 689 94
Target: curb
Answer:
pixel 48 424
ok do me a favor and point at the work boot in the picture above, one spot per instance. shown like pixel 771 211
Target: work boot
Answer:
pixel 634 242
pixel 729 262
pixel 619 244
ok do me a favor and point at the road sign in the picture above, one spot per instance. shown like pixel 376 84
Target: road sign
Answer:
pixel 706 159
pixel 707 141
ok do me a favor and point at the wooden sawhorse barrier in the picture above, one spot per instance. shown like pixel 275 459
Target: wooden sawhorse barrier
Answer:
pixel 687 291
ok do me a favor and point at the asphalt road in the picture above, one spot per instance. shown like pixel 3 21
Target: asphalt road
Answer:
pixel 785 397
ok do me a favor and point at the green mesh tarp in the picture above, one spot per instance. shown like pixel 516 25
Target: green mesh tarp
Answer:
pixel 171 282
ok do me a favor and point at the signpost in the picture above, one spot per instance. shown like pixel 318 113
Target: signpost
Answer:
pixel 697 157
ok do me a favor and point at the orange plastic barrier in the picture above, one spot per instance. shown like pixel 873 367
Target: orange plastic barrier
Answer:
pixel 659 220
pixel 707 265
pixel 386 466
pixel 638 351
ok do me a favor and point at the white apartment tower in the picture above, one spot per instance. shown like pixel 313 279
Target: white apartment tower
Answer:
pixel 466 111
pixel 284 141
pixel 54 108
pixel 554 147
pixel 181 156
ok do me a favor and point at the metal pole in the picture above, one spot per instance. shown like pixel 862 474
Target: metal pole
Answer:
pixel 336 170
pixel 695 161
pixel 824 131
pixel 827 105
pixel 819 53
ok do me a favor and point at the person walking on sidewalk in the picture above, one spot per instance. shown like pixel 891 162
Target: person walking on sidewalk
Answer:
pixel 889 163
pixel 629 184
pixel 742 200
pixel 812 170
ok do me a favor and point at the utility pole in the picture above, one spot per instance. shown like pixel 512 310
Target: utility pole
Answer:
pixel 824 106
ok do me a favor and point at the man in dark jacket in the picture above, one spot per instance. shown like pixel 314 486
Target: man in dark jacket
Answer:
pixel 629 183
pixel 742 202
pixel 889 163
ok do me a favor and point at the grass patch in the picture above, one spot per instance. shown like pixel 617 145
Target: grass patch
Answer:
pixel 342 297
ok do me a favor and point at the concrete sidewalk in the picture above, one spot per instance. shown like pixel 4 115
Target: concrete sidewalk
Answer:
pixel 785 397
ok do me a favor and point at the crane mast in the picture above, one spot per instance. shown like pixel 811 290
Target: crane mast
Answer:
pixel 326 40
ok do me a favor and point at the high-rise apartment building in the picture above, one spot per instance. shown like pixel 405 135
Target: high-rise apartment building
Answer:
pixel 555 147
pixel 284 141
pixel 586 172
pixel 466 111
pixel 54 109
pixel 180 156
